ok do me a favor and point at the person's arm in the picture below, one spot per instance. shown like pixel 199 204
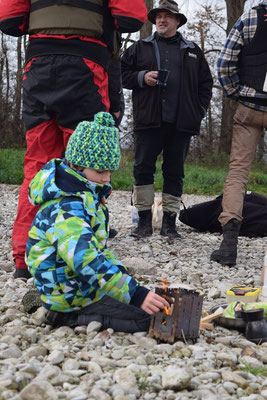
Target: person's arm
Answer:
pixel 144 298
pixel 129 16
pixel 227 64
pixel 205 84
pixel 154 303
pixel 14 16
pixel 132 77
pixel 79 248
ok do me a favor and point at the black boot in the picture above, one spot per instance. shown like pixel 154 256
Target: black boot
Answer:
pixel 22 274
pixel 144 227
pixel 112 233
pixel 168 227
pixel 227 253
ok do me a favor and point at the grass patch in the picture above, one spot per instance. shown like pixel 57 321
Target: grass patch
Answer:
pixel 11 166
pixel 142 382
pixel 199 179
pixel 255 371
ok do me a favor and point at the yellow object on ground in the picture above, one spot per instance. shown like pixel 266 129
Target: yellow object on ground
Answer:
pixel 242 293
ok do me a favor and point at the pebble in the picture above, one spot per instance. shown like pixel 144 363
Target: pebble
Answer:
pixel 38 362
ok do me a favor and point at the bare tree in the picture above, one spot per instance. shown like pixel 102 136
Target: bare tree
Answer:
pixel 204 31
pixel 2 63
pixel 18 81
pixel 146 29
pixel 4 90
pixel 12 131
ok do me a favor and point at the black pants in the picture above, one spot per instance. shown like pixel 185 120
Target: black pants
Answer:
pixel 63 86
pixel 109 312
pixel 149 144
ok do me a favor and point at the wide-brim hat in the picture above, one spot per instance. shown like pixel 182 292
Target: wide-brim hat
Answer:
pixel 166 5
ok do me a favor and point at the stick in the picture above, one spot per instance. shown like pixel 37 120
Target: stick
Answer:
pixel 212 316
pixel 206 325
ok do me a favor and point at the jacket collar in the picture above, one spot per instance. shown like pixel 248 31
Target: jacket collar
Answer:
pixel 184 42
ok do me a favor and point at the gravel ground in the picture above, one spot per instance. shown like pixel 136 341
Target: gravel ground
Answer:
pixel 37 362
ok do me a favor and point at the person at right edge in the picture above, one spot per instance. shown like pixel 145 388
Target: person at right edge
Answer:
pixel 166 114
pixel 242 72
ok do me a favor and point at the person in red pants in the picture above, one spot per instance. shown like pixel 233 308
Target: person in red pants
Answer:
pixel 65 79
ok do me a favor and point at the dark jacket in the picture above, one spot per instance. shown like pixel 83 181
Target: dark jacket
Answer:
pixel 88 27
pixel 194 96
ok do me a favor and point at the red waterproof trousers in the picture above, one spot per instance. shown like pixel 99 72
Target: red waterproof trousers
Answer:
pixel 58 92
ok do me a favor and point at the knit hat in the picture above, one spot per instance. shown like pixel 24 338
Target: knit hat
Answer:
pixel 166 5
pixel 95 144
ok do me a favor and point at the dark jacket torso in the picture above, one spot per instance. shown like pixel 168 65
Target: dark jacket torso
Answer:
pixel 170 59
pixel 193 93
pixel 253 58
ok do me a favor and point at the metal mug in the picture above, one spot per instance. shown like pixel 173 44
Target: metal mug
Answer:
pixel 163 75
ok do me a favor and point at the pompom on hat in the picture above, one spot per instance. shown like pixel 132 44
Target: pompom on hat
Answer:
pixel 95 144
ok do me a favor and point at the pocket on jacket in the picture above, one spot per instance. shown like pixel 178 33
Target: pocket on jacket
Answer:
pixel 197 114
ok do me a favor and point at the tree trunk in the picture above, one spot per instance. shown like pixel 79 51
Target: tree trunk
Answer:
pixel 7 74
pixel 18 81
pixel 146 29
pixel 261 148
pixel 234 10
pixel 2 63
pixel 228 111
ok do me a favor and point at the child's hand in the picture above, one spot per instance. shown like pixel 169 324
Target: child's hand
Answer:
pixel 153 303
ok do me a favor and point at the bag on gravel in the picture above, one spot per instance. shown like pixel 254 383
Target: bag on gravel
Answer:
pixel 157 214
pixel 204 216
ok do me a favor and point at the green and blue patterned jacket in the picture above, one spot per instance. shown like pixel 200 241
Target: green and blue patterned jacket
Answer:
pixel 66 251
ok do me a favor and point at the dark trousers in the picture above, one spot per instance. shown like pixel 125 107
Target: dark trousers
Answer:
pixel 109 312
pixel 149 143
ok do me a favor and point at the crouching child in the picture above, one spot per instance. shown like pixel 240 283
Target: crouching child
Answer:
pixel 79 280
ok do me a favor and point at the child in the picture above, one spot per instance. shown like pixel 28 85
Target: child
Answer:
pixel 78 278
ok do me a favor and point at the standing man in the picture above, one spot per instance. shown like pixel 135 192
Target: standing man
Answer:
pixel 242 72
pixel 168 107
pixel 65 78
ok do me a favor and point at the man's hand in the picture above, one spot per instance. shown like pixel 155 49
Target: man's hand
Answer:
pixel 153 303
pixel 150 78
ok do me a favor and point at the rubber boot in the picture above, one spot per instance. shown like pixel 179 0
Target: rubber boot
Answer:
pixel 227 253
pixel 144 227
pixel 168 227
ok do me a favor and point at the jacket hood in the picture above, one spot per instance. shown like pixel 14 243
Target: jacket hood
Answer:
pixel 57 179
